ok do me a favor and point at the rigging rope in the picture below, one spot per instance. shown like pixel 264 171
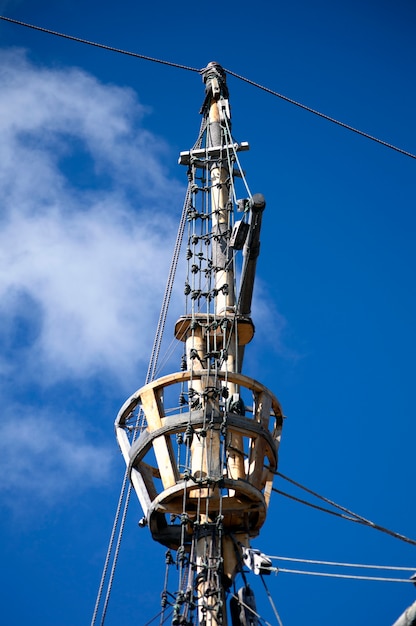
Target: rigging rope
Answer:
pixel 98 45
pixel 328 118
pixel 251 610
pixel 153 361
pixel 154 357
pixel 277 570
pixel 336 564
pixel 347 576
pixel 314 506
pixel 231 72
pixel 272 604
pixel 109 550
pixel 354 516
pixel 116 553
pixel 158 615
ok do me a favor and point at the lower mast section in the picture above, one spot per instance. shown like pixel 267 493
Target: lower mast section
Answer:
pixel 201 444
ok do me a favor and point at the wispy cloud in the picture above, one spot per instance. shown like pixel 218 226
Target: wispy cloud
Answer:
pixel 84 228
pixel 271 325
pixel 43 458
pixel 85 241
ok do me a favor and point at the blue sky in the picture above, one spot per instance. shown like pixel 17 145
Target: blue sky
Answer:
pixel 90 198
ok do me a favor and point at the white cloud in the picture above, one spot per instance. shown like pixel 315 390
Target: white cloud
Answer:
pixel 44 458
pixel 77 262
pixel 269 322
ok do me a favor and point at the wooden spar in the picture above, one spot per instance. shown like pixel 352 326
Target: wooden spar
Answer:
pixel 250 252
pixel 222 262
pixel 208 546
pixel 408 618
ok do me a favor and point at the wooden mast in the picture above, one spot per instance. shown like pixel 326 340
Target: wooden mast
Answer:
pixel 203 472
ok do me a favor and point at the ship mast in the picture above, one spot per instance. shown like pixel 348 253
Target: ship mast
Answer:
pixel 201 444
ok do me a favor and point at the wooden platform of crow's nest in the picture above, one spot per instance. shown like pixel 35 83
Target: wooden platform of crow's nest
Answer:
pixel 205 459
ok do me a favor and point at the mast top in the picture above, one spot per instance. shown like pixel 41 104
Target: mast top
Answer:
pixel 215 79
pixel 213 67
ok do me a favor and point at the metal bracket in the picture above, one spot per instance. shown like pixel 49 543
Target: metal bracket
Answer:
pixel 224 109
pixel 258 562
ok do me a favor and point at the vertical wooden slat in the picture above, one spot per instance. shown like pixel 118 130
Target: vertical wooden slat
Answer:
pixel 262 407
pixel 162 446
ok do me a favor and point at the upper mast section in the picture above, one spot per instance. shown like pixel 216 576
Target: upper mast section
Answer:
pixel 216 100
pixel 214 165
pixel 201 444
